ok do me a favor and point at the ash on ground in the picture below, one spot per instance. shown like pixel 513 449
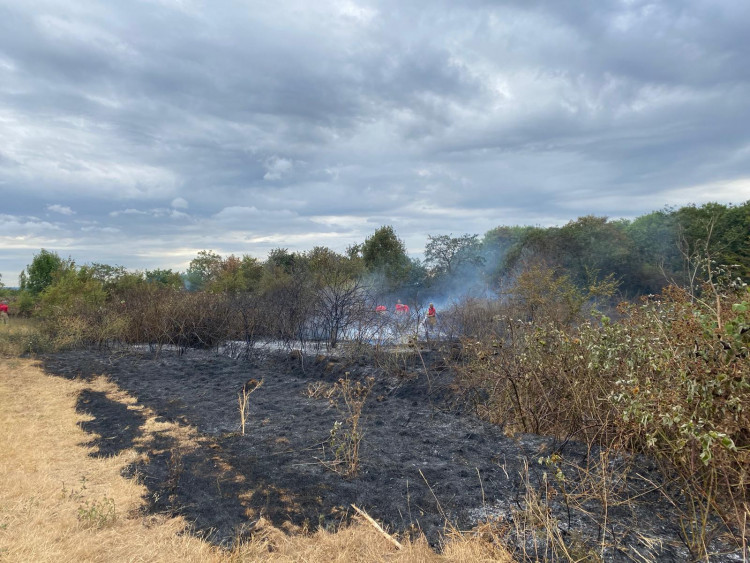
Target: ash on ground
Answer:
pixel 427 463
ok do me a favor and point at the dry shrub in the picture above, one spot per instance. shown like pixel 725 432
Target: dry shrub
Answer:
pixel 531 378
pixel 397 362
pixel 521 361
pixel 681 388
pixel 670 378
pixel 67 331
pixel 349 398
pixel 539 534
pixel 286 306
pixel 165 316
pixel 602 488
pixel 151 314
pixel 320 390
pixel 472 318
pixel 252 320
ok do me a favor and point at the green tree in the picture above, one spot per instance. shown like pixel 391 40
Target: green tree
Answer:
pixel 523 244
pixel 445 254
pixel 588 244
pixel 594 244
pixel 126 284
pixel 320 259
pixel 105 273
pixel 281 260
pixel 384 253
pixel 202 269
pixel 252 272
pixel 165 277
pixel 655 251
pixel 497 244
pixel 42 271
pixel 74 290
pixel 236 275
pixel 717 232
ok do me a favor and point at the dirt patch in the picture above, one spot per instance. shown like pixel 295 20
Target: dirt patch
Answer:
pixel 424 459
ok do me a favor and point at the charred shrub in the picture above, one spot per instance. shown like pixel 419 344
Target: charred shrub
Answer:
pixel 162 315
pixel 474 318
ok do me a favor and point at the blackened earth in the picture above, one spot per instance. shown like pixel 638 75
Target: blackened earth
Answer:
pixel 425 459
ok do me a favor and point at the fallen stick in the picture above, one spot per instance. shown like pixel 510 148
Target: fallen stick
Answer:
pixel 385 534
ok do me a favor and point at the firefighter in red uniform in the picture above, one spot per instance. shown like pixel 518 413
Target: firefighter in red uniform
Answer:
pixel 431 315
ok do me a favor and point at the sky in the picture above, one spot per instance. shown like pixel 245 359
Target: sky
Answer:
pixel 139 132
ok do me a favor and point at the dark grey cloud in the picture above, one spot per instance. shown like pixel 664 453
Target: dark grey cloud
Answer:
pixel 141 132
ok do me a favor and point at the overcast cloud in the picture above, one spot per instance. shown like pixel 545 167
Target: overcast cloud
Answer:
pixel 139 132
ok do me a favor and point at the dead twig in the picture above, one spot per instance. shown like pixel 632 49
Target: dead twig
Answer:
pixel 377 526
pixel 243 397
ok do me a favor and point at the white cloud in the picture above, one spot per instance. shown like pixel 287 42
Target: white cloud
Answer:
pixel 276 168
pixel 155 212
pixel 729 191
pixel 61 209
pixel 108 230
pixel 129 211
pixel 180 203
pixel 18 225
pixel 250 216
pixel 357 12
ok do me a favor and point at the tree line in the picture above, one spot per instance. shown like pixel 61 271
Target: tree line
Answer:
pixel 670 246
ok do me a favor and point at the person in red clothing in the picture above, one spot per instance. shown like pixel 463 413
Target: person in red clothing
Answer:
pixel 401 308
pixel 4 311
pixel 429 320
pixel 381 309
pixel 431 314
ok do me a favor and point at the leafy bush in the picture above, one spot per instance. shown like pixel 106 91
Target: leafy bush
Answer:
pixel 25 303
pixel 532 378
pixel 671 379
pixel 682 390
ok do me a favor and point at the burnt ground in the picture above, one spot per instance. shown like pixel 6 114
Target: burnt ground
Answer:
pixel 425 459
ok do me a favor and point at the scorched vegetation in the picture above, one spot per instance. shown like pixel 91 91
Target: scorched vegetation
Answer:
pixel 629 339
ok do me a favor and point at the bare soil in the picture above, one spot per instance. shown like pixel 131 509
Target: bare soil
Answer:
pixel 425 460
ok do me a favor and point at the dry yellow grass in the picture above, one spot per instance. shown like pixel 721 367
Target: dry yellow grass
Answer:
pixel 15 336
pixel 59 504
